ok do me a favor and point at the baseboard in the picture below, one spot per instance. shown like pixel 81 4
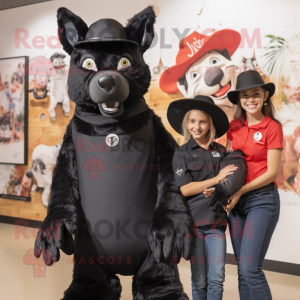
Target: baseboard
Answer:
pixel 269 265
pixel 21 221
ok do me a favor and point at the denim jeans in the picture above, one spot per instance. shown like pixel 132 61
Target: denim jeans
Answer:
pixel 208 263
pixel 252 223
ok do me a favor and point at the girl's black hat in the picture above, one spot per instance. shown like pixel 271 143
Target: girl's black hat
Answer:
pixel 177 110
pixel 247 80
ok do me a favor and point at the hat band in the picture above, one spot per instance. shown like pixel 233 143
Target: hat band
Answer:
pixel 106 39
pixel 249 85
pixel 102 38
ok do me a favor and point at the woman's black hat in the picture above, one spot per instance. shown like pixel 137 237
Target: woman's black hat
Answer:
pixel 177 110
pixel 248 80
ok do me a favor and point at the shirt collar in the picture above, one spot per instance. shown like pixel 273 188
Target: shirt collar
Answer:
pixel 193 144
pixel 262 124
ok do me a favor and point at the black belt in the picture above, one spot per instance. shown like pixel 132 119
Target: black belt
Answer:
pixel 267 187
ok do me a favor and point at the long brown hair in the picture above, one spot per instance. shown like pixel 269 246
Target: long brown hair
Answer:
pixel 267 110
pixel 210 135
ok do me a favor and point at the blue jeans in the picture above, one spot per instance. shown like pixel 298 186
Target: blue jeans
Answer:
pixel 208 263
pixel 252 223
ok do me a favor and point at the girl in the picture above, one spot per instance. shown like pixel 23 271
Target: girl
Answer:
pixel 196 167
pixel 254 209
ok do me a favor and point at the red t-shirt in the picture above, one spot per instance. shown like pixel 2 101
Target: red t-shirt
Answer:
pixel 255 141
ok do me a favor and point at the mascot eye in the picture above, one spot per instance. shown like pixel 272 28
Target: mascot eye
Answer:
pixel 89 64
pixel 194 75
pixel 123 63
pixel 214 61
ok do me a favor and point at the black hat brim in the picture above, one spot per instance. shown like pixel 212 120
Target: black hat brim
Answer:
pixel 101 40
pixel 233 96
pixel 177 110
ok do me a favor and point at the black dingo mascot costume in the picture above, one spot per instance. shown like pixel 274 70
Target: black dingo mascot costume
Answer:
pixel 113 185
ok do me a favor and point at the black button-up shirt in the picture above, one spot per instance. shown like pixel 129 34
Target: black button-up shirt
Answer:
pixel 194 163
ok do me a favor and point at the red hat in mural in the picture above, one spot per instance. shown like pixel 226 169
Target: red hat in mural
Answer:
pixel 191 48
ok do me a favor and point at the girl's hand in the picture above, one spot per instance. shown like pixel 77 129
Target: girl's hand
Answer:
pixel 208 192
pixel 232 202
pixel 226 172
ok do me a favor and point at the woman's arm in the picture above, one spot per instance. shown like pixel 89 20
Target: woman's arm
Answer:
pixel 273 165
pixel 197 187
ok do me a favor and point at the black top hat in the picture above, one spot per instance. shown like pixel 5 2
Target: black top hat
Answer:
pixel 177 110
pixel 105 30
pixel 247 80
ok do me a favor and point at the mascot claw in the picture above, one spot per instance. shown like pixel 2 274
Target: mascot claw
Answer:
pixel 52 236
pixel 171 244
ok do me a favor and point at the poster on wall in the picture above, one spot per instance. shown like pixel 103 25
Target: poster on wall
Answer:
pixel 13 110
pixel 48 81
pixel 50 105
pixel 15 182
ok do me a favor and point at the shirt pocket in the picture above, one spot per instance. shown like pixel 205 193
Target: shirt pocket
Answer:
pixel 196 168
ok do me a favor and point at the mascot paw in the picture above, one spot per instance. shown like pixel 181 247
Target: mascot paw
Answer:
pixel 52 236
pixel 171 234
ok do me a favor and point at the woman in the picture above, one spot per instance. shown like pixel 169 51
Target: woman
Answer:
pixel 254 209
pixel 196 166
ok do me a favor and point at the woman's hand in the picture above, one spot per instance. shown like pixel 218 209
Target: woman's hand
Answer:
pixel 226 172
pixel 232 201
pixel 208 192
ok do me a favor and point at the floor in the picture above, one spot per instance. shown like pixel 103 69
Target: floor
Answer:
pixel 21 278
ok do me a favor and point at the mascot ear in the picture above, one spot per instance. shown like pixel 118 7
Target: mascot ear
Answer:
pixel 140 28
pixel 71 29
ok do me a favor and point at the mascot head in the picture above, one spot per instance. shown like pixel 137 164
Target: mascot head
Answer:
pixel 107 70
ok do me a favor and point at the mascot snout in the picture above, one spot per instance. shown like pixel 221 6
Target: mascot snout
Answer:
pixel 109 89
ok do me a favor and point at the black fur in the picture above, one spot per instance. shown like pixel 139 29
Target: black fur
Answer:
pixel 160 282
pixel 90 283
pixel 138 75
pixel 170 231
pixel 232 184
pixel 65 16
pixel 171 219
pixel 140 28
pixel 61 211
